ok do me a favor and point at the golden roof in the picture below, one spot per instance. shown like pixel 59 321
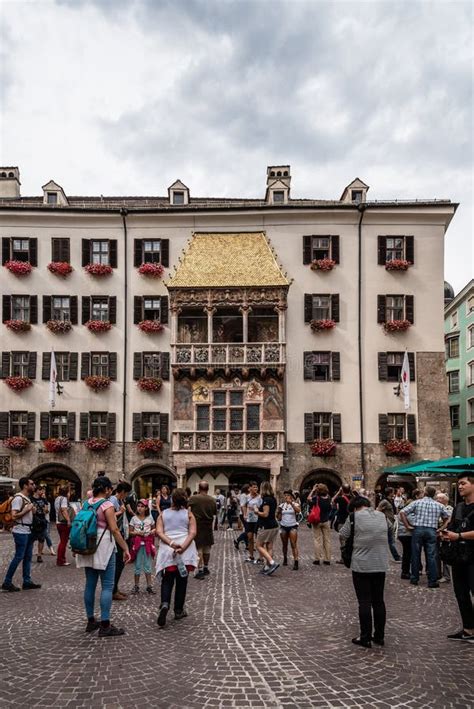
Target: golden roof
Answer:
pixel 232 259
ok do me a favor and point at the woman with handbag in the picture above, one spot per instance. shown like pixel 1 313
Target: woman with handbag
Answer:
pixel 320 499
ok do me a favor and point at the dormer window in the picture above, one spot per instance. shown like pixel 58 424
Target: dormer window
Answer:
pixel 278 196
pixel 355 192
pixel 357 196
pixel 51 197
pixel 178 197
pixel 53 194
pixel 178 193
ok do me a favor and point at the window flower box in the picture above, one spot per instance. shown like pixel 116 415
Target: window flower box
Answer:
pixel 150 383
pixel 396 325
pixel 60 268
pixel 97 444
pixel 149 445
pixel 98 269
pixel 57 445
pixel 153 270
pixel 400 448
pixel 322 325
pixel 18 383
pixel 18 325
pixel 150 326
pixel 97 383
pixel 16 443
pixel 323 448
pixel 19 268
pixel 59 326
pixel 98 325
pixel 322 264
pixel 398 264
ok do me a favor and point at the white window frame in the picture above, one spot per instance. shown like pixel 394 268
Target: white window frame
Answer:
pixel 470 410
pixel 450 390
pixel 470 373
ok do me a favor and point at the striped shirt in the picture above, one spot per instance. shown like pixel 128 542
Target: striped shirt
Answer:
pixel 426 512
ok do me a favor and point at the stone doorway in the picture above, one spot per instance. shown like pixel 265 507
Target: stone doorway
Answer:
pixel 226 477
pixel 52 476
pixel 320 475
pixel 148 479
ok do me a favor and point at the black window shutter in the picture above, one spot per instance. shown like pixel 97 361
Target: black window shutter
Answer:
pixel 85 364
pixel 381 314
pixel 113 310
pixel 335 248
pixel 336 428
pixel 335 307
pixel 136 427
pixel 113 366
pixel 165 365
pixel 55 250
pixel 308 307
pixel 308 428
pixel 137 252
pixel 383 428
pixel 33 244
pixel 306 249
pixel 164 418
pixel 83 426
pixel 5 250
pixel 335 366
pixel 164 310
pixel 382 250
pixel 165 252
pixel 46 308
pixel 137 365
pixel 30 425
pixel 382 362
pixel 46 368
pixel 111 426
pixel 74 313
pixel 410 308
pixel 33 309
pixel 73 365
pixel 137 309
pixel 4 424
pixel 7 307
pixel 71 426
pixel 308 368
pixel 32 365
pixel 86 252
pixel 410 248
pixel 60 250
pixel 113 253
pixel 411 428
pixel 5 370
pixel 44 425
pixel 411 362
pixel 86 309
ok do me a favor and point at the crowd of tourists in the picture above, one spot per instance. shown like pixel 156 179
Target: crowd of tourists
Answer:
pixel 170 537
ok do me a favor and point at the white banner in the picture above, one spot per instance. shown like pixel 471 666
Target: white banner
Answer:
pixel 53 376
pixel 405 380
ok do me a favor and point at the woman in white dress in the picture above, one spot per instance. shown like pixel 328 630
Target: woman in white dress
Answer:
pixel 177 554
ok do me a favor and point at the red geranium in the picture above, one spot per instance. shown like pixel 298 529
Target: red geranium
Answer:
pixel 150 326
pixel 57 445
pixel 98 269
pixel 149 445
pixel 323 447
pixel 59 326
pixel 16 443
pixel 18 383
pixel 60 268
pixel 322 264
pixel 18 325
pixel 397 264
pixel 19 268
pixel 98 325
pixel 401 448
pixel 396 325
pixel 97 383
pixel 320 325
pixel 97 444
pixel 149 383
pixel 155 270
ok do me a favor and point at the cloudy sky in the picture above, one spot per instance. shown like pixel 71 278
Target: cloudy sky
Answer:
pixel 124 96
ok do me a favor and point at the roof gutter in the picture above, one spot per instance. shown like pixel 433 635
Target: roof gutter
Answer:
pixel 123 214
pixel 361 208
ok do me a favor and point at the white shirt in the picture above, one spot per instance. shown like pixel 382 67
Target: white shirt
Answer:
pixel 143 525
pixel 60 503
pixel 18 503
pixel 288 515
pixel 253 503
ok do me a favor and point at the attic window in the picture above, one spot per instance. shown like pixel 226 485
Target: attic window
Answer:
pixel 278 196
pixel 178 197
pixel 52 197
pixel 357 196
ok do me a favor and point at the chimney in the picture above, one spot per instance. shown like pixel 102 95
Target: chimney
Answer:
pixel 9 183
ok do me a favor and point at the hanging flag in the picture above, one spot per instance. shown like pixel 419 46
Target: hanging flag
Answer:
pixel 405 380
pixel 53 376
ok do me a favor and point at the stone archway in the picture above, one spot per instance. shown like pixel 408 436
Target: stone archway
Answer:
pixel 224 477
pixel 386 480
pixel 55 475
pixel 148 479
pixel 320 475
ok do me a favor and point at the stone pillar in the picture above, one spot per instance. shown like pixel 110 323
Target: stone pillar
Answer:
pixel 281 310
pixel 245 309
pixel 210 312
pixel 174 311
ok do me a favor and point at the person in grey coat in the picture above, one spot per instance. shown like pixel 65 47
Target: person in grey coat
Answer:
pixel 369 565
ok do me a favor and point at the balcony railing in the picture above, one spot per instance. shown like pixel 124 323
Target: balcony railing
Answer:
pixel 250 354
pixel 271 441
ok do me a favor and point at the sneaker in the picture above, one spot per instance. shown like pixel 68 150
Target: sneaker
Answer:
pixel 236 545
pixel 460 635
pixel 443 580
pixel 264 570
pixel 110 632
pixel 397 561
pixel 161 620
pixel 9 587
pixel 119 596
pixel 272 568
pixel 433 585
pixel 135 590
pixel 151 591
pixel 206 571
pixel 66 563
pixel 327 563
pixel 92 625
pixel 30 585
pixel 316 562
pixel 199 575
pixel 250 560
pixel 179 615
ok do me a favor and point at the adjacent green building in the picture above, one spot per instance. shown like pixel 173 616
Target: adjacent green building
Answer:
pixel 459 337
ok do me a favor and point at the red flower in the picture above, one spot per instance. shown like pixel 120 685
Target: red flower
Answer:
pixel 60 268
pixel 321 325
pixel 18 383
pixel 98 325
pixel 401 448
pixel 97 444
pixel 322 264
pixel 19 268
pixel 397 264
pixel 396 325
pixel 323 447
pixel 59 326
pixel 150 326
pixel 149 445
pixel 98 269
pixel 97 383
pixel 149 383
pixel 18 325
pixel 16 443
pixel 155 270
pixel 57 445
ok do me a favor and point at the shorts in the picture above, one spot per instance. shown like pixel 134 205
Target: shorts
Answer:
pixel 265 536
pixel 204 550
pixel 251 527
pixel 288 529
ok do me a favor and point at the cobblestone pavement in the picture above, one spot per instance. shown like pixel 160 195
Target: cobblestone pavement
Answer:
pixel 249 641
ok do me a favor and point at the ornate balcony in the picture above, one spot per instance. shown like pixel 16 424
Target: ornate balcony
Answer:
pixel 225 441
pixel 254 354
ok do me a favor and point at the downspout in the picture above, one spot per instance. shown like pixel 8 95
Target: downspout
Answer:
pixel 123 213
pixel 361 207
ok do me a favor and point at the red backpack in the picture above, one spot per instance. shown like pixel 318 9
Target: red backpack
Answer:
pixel 314 516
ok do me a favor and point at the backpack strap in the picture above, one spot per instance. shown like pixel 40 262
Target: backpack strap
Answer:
pixel 25 502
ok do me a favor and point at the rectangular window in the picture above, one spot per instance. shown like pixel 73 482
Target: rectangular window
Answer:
pixel 395 247
pixel 452 347
pixel 396 426
pixel 20 362
pixel 178 197
pixel 62 366
pixel 52 197
pixel 58 425
pixel 253 417
pixel 456 447
pixel 100 308
pixel 98 424
pixel 202 418
pixel 236 419
pixel 321 366
pixel 61 307
pixel 321 307
pixel 21 307
pixel 453 381
pixel 322 425
pixel 20 249
pixel 470 304
pixel 18 423
pixel 151 308
pixel 151 364
pixel 454 416
pixel 454 319
pixel 100 252
pixel 219 398
pixel 60 250
pixel 278 196
pixel 470 411
pixel 394 366
pixel 470 374
pixel 219 419
pixel 357 196
pixel 152 251
pixel 151 425
pixel 100 364
pixel 395 307
pixel 470 337
pixel 320 247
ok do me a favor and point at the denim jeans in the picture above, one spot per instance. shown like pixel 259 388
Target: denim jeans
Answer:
pixel 392 546
pixel 23 553
pixel 424 538
pixel 107 578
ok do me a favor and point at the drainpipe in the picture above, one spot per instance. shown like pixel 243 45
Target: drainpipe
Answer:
pixel 361 207
pixel 123 213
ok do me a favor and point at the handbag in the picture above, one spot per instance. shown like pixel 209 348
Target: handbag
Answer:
pixel 314 516
pixel 347 549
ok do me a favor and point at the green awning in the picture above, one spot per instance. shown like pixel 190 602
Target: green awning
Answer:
pixel 457 462
pixel 446 466
pixel 409 468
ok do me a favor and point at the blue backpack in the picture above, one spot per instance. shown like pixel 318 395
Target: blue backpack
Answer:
pixel 83 537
